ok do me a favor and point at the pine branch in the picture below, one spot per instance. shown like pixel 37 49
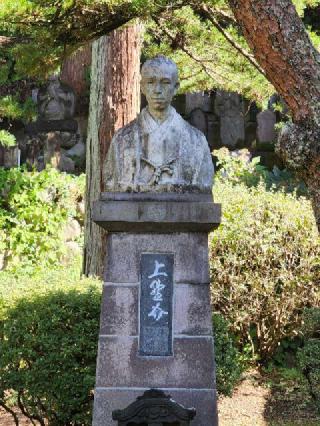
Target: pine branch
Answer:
pixel 209 13
pixel 180 43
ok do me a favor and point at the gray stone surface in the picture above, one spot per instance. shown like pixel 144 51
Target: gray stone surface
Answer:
pixel 192 310
pixel 119 310
pixel 266 131
pixel 156 216
pixel 159 149
pixel 190 251
pixel 107 400
pixel 191 366
pixel 198 100
pixel 56 100
pixel 199 120
pixel 230 107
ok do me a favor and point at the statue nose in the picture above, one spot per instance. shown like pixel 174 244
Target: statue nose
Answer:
pixel 157 88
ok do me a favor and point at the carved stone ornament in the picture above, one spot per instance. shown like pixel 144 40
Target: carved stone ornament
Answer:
pixel 159 151
pixel 154 408
pixel 56 101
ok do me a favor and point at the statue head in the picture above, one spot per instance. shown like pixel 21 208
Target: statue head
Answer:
pixel 56 100
pixel 159 84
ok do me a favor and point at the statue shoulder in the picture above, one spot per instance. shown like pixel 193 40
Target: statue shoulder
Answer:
pixel 195 134
pixel 127 131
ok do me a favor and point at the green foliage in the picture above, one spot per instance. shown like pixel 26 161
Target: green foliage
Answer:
pixel 12 108
pixel 34 207
pixel 48 343
pixel 238 167
pixel 309 354
pixel 49 30
pixel 228 360
pixel 264 263
pixel 204 57
pixel 7 139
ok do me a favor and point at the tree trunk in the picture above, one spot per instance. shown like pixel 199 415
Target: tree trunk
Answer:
pixel 74 72
pixel 114 102
pixel 283 49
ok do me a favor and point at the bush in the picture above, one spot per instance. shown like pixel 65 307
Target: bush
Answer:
pixel 237 167
pixel 309 354
pixel 34 207
pixel 48 345
pixel 7 139
pixel 264 263
pixel 228 360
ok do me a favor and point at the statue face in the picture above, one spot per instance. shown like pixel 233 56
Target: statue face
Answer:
pixel 159 85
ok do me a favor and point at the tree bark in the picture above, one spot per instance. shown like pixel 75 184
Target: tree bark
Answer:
pixel 74 72
pixel 114 102
pixel 283 49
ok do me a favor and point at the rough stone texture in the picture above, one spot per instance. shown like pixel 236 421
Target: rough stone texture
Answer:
pixel 156 216
pixel 230 108
pixel 107 400
pixel 191 255
pixel 191 366
pixel 159 148
pixel 122 373
pixel 191 315
pixel 199 100
pixel 266 131
pixel 56 101
pixel 119 310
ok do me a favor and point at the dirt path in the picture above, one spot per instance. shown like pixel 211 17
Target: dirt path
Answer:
pixel 267 401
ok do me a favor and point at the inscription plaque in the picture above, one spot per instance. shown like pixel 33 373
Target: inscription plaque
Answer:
pixel 156 304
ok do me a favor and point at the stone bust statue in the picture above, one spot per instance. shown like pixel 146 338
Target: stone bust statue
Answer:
pixel 159 151
pixel 56 101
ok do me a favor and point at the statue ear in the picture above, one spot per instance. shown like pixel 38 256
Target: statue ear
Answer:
pixel 176 87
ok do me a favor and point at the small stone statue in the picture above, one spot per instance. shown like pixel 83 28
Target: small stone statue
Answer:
pixel 159 151
pixel 56 101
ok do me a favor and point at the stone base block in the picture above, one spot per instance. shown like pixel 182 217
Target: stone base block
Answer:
pixel 109 399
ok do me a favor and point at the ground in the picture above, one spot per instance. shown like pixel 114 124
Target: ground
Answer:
pixel 268 399
pixel 261 399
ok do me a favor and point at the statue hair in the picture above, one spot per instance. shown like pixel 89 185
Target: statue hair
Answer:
pixel 158 61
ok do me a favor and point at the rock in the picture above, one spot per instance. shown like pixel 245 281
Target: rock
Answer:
pixel 229 106
pixel 266 131
pixel 68 139
pixel 79 151
pixel 198 119
pixel 72 230
pixel 198 100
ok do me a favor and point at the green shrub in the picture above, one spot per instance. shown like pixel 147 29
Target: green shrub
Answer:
pixel 7 139
pixel 309 354
pixel 237 167
pixel 34 207
pixel 228 360
pixel 48 345
pixel 264 262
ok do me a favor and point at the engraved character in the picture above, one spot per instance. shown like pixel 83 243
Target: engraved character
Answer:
pixel 157 312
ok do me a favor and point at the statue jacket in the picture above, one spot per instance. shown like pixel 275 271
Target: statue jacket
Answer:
pixel 149 156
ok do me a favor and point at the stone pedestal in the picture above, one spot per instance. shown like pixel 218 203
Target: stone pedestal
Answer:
pixel 157 256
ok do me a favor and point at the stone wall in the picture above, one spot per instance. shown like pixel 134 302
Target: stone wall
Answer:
pixel 229 120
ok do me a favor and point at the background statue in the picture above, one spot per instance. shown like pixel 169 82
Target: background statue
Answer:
pixel 56 101
pixel 159 151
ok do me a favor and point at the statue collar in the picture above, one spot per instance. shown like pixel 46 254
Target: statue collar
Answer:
pixel 149 124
